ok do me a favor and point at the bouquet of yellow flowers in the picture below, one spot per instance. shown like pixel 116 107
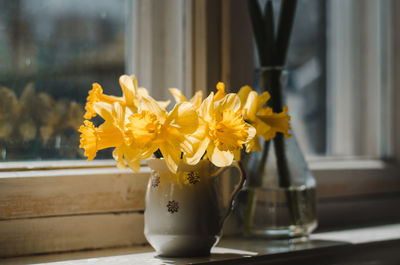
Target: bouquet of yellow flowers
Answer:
pixel 217 128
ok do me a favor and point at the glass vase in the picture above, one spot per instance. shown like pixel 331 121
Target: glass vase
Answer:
pixel 279 200
pixel 274 210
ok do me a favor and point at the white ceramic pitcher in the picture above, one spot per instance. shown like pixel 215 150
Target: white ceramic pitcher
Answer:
pixel 185 211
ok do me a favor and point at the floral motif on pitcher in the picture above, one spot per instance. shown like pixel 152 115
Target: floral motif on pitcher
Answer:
pixel 173 206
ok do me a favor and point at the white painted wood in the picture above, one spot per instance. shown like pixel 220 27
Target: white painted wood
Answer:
pixel 73 191
pixel 93 255
pixel 79 191
pixel 362 235
pixel 159 46
pixel 188 87
pixel 199 38
pixel 60 164
pixel 344 178
pixel 54 234
pixel 226 43
pixel 140 42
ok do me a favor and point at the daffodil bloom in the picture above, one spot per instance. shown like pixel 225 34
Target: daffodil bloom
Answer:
pixel 153 128
pixel 279 122
pixel 222 131
pixel 179 97
pixel 130 96
pixel 96 95
pixel 266 122
pixel 110 134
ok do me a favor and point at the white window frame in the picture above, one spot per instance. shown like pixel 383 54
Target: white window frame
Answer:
pixel 34 215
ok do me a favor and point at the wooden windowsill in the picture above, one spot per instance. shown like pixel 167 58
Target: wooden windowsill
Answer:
pixel 354 246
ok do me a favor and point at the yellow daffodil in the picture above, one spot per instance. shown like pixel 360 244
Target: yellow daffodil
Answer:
pixel 110 134
pixel 96 95
pixel 89 139
pixel 279 122
pixel 153 128
pixel 143 92
pixel 179 97
pixel 137 125
pixel 130 96
pixel 266 122
pixel 222 131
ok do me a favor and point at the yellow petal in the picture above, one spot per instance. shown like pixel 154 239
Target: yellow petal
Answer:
pixel 207 108
pixel 164 104
pixel 96 95
pixel 253 145
pixel 88 139
pixel 132 158
pixel 184 118
pixel 131 155
pixel 148 103
pixel 260 126
pixel 178 95
pixel 221 91
pixel 105 110
pixel 196 99
pixel 143 128
pixel 250 108
pixel 229 131
pixel 128 85
pixel 199 149
pixel 108 135
pixel 134 165
pixel 243 93
pixel 175 137
pixel 251 132
pixel 262 99
pixel 114 114
pixel 279 122
pixel 230 101
pixel 218 157
pixel 142 91
pixel 172 155
pixel 118 156
pixel 118 113
pixel 236 154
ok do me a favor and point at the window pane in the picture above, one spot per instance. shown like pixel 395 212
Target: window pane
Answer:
pixel 50 53
pixel 336 85
pixel 306 77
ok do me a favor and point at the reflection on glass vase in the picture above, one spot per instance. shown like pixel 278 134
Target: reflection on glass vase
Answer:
pixel 280 199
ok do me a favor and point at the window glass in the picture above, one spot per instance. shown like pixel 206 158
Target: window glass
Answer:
pixel 336 78
pixel 50 53
pixel 306 77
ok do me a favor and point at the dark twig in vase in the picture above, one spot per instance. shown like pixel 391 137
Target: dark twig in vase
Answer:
pixel 272 55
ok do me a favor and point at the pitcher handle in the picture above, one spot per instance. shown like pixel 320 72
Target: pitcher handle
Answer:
pixel 236 189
